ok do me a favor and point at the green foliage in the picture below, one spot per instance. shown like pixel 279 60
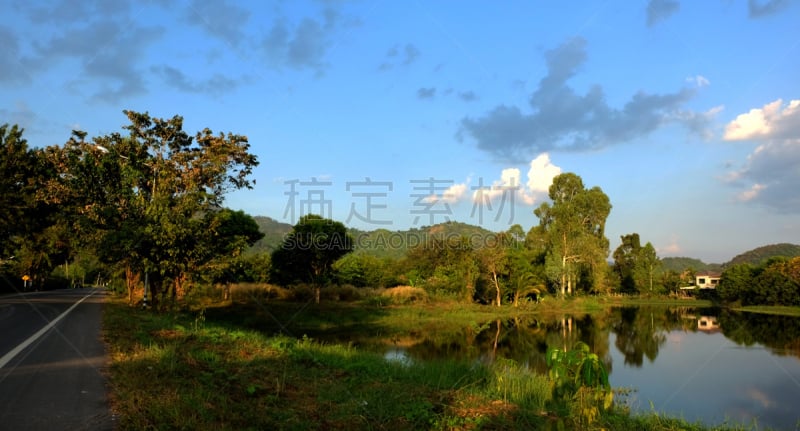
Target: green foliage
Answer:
pixel 308 252
pixel 775 282
pixel 636 266
pixel 580 381
pixel 573 232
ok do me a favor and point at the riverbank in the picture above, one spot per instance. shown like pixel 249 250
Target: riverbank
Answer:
pixel 215 368
pixel 770 309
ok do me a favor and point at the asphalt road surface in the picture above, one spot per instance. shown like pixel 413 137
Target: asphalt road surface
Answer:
pixel 53 361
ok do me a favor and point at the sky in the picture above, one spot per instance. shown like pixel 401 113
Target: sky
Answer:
pixel 400 114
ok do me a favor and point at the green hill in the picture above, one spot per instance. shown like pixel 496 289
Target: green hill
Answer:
pixel 384 243
pixel 758 255
pixel 679 264
pixel 274 232
pixel 380 243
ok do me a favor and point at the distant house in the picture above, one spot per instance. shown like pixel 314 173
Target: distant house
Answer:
pixel 707 280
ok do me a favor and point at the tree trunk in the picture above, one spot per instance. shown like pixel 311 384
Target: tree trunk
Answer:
pixel 316 293
pixel 496 286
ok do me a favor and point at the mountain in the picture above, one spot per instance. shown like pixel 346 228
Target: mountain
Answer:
pixel 274 232
pixel 381 243
pixel 384 243
pixel 758 255
pixel 679 264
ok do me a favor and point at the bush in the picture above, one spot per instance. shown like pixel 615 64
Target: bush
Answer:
pixel 402 295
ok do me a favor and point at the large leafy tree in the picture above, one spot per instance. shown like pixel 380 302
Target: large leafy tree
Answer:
pixel 308 252
pixel 33 228
pixel 148 194
pixel 16 164
pixel 572 227
pixel 635 265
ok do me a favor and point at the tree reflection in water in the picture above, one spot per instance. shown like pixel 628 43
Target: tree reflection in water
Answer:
pixel 638 333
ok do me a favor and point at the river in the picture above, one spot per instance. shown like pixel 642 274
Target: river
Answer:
pixel 707 365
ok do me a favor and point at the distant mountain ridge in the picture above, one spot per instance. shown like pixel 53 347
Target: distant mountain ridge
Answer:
pixel 382 243
pixel 395 243
pixel 758 255
pixel 679 264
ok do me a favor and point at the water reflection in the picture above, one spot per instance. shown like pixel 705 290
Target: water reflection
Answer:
pixel 703 364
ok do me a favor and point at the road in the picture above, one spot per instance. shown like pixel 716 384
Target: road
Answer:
pixel 53 361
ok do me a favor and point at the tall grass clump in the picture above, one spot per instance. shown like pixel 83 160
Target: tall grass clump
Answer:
pixel 403 295
pixel 515 383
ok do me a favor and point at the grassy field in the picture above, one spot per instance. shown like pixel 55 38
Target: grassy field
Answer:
pixel 218 368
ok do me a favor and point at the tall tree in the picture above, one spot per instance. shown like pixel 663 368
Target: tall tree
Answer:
pixel 573 228
pixel 635 265
pixel 149 193
pixel 308 252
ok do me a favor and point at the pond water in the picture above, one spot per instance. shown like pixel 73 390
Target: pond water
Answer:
pixel 706 365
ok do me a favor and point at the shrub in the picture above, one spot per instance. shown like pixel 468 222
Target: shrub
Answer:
pixel 404 295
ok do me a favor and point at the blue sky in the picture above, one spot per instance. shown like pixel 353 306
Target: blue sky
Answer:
pixel 399 114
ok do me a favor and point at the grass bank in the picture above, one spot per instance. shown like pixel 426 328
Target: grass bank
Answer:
pixel 770 309
pixel 216 370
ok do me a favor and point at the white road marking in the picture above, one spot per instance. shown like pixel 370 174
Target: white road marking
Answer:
pixel 16 350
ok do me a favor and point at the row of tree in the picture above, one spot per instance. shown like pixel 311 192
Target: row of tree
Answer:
pixel 774 282
pixel 146 204
pixel 566 253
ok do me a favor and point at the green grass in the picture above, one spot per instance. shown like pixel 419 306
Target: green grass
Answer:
pixel 227 368
pixel 770 309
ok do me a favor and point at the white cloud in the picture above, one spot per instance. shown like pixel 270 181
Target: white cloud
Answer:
pixel 541 173
pixel 672 248
pixel 540 177
pixel 751 193
pixel 768 122
pixel 450 195
pixel 770 174
pixel 454 193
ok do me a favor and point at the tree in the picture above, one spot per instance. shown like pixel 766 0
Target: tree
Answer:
pixel 16 193
pixel 308 252
pixel 228 233
pixel 494 258
pixel 625 258
pixel 573 229
pixel 149 194
pixel 636 266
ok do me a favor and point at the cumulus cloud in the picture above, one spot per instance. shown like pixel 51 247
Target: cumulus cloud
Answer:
pixel 773 121
pixel 562 119
pixel 659 10
pixel 770 174
pixel 540 176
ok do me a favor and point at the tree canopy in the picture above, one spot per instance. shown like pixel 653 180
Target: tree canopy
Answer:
pixel 572 230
